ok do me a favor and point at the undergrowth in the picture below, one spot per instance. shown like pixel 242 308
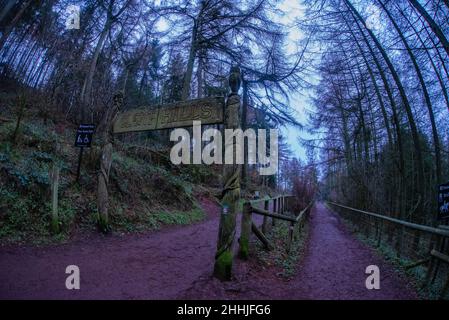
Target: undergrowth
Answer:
pixel 279 257
pixel 144 195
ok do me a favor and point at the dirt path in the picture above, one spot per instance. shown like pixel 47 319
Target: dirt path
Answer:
pixel 157 265
pixel 177 263
pixel 335 262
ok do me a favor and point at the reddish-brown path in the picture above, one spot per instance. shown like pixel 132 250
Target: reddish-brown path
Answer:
pixel 177 263
pixel 335 262
pixel 155 265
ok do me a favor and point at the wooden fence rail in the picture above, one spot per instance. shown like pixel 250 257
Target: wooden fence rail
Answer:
pixel 427 245
pixel 415 226
pixel 280 206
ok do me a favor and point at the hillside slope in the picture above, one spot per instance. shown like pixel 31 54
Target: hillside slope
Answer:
pixel 146 190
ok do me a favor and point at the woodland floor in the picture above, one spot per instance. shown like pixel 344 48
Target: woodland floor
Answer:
pixel 176 263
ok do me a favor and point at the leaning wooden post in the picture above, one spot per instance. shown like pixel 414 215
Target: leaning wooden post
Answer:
pixel 279 205
pixel 107 138
pixel 54 184
pixel 245 231
pixel 290 235
pixel 261 237
pixel 266 207
pixel 231 183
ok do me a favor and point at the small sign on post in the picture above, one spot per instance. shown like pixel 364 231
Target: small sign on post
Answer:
pixel 84 135
pixel 83 140
pixel 443 201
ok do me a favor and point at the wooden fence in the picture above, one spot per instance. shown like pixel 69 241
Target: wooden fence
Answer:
pixel 274 208
pixel 423 245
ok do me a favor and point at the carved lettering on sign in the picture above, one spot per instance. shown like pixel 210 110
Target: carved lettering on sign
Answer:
pixel 180 114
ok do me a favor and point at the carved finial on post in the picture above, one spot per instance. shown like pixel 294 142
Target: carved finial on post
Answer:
pixel 235 79
pixel 118 100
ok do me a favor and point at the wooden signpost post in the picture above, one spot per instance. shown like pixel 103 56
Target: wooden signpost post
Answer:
pixel 211 110
pixel 231 185
pixel 53 175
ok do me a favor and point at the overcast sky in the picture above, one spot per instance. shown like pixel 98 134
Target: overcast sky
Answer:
pixel 298 101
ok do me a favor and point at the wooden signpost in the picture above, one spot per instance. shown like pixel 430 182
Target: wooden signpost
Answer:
pixel 212 110
pixel 231 185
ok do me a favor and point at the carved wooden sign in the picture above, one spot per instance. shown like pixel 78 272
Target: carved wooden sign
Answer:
pixel 173 115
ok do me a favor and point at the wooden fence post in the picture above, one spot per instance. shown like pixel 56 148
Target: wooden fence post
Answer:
pixel 290 235
pixel 399 241
pixel 265 218
pixel 283 204
pixel 440 246
pixel 280 205
pixel 106 129
pixel 273 221
pixel 245 231
pixel 54 185
pixel 379 235
pixel 231 184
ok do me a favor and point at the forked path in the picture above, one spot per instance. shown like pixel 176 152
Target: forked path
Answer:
pixel 335 262
pixel 177 263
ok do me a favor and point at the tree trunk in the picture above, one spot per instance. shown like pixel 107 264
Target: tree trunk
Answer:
pixel 381 103
pixel 106 131
pixel 433 25
pixel 346 142
pixel 87 86
pixel 244 126
pixel 199 77
pixel 13 23
pixel 436 139
pixel 434 67
pixel 24 62
pixel 393 105
pixel 413 128
pixel 6 9
pixel 190 64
